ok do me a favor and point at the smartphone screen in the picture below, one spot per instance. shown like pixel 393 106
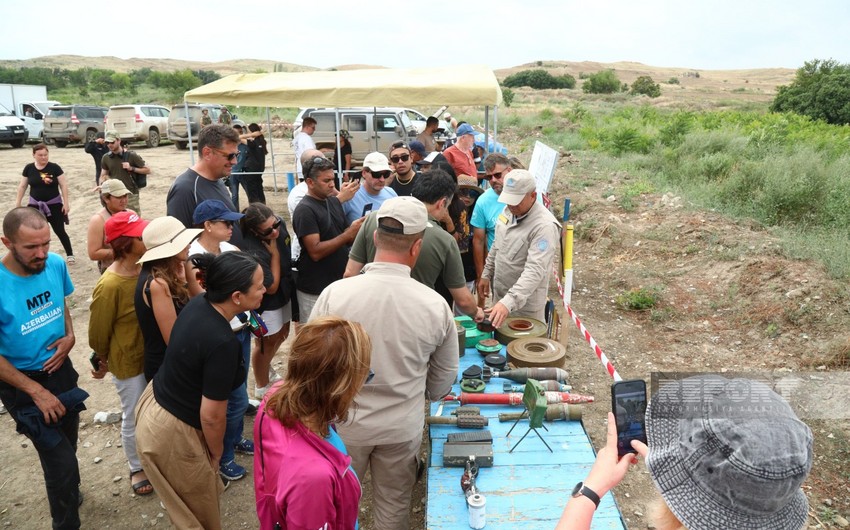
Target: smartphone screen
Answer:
pixel 366 209
pixel 628 401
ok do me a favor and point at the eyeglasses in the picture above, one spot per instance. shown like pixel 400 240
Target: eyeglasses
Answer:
pixel 397 158
pixel 370 376
pixel 229 224
pixel 381 174
pixel 472 194
pixel 230 156
pixel 267 232
pixel 495 175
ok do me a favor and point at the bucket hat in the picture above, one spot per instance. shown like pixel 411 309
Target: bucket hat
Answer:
pixel 165 237
pixel 728 453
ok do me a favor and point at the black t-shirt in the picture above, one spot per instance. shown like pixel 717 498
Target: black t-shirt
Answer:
pixel 403 190
pixel 257 152
pixel 327 219
pixel 44 183
pixel 203 358
pixel 344 150
pixel 189 190
pixel 255 247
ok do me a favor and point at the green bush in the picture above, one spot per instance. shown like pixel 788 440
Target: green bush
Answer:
pixel 507 96
pixel 539 79
pixel 646 86
pixel 820 90
pixel 673 81
pixel 604 82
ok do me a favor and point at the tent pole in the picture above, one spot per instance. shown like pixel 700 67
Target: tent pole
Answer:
pixel 271 145
pixel 495 125
pixel 487 128
pixel 339 171
pixel 189 132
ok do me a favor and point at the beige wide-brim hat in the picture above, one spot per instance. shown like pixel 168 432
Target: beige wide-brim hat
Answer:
pixel 165 237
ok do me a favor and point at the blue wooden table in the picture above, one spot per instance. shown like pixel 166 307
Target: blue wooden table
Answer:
pixel 525 489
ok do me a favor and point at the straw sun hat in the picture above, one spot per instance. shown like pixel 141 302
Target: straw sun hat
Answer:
pixel 165 237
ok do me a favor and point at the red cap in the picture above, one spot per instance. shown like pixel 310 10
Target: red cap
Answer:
pixel 126 223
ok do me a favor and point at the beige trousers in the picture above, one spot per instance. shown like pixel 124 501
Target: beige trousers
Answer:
pixel 393 469
pixel 175 459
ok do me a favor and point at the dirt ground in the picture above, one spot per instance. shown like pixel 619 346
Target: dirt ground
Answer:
pixel 728 301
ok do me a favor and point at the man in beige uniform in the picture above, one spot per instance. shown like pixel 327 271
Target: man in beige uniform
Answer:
pixel 414 357
pixel 520 261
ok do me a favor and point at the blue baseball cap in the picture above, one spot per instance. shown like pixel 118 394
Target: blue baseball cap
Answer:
pixel 419 148
pixel 214 210
pixel 465 129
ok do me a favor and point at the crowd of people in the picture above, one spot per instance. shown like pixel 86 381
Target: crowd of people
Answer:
pixel 373 270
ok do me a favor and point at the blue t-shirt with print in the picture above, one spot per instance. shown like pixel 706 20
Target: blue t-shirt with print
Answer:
pixel 32 313
pixel 486 213
pixel 356 207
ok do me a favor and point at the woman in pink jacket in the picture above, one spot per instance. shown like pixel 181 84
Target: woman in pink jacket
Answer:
pixel 302 473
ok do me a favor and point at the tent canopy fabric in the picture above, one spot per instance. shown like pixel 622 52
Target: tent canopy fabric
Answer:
pixel 453 86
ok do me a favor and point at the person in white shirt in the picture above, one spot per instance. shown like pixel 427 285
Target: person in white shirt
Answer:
pixel 302 142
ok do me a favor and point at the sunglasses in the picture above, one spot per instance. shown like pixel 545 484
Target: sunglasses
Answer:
pixel 267 232
pixel 381 174
pixel 229 224
pixel 472 194
pixel 110 143
pixel 230 156
pixel 397 158
pixel 495 175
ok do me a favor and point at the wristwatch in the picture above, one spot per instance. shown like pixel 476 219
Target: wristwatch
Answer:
pixel 582 490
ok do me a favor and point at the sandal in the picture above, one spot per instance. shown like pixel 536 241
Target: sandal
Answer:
pixel 142 487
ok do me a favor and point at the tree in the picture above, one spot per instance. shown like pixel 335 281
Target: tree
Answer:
pixel 820 90
pixel 646 86
pixel 539 79
pixel 604 82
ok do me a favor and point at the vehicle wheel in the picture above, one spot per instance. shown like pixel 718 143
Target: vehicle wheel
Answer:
pixel 61 143
pixel 48 141
pixel 153 138
pixel 181 145
pixel 17 144
pixel 91 134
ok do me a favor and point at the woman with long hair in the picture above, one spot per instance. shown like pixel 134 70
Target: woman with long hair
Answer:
pixel 180 419
pixel 161 291
pixel 266 238
pixel 215 220
pixel 254 166
pixel 302 473
pixel 114 333
pixel 48 193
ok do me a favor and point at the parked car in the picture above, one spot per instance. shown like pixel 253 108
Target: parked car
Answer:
pixel 177 130
pixel 138 122
pixel 371 129
pixel 12 130
pixel 73 123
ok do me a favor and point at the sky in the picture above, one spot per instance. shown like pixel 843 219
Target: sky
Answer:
pixel 696 34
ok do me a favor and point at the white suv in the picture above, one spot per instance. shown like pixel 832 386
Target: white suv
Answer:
pixel 138 122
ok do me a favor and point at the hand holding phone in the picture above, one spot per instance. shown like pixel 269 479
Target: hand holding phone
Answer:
pixel 628 402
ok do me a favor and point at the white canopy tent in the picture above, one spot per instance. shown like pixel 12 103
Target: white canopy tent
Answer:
pixel 468 85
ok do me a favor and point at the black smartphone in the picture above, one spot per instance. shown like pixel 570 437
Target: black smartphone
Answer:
pixel 628 402
pixel 95 362
pixel 366 209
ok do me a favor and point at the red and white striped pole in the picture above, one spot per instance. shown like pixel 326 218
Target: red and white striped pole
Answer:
pixel 609 367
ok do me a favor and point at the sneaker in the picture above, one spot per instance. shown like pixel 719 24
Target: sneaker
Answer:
pixel 70 260
pixel 252 409
pixel 223 481
pixel 245 446
pixel 260 391
pixel 2 409
pixel 231 471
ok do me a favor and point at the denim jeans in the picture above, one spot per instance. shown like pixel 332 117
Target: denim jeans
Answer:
pixel 237 403
pixel 59 463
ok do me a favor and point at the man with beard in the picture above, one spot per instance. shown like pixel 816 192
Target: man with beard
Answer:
pixel 217 152
pixel 38 383
pixel 487 211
